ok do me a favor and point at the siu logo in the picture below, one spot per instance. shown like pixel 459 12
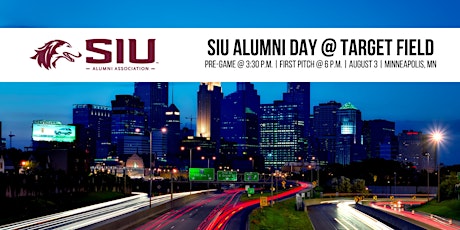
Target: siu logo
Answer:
pixel 52 51
pixel 119 54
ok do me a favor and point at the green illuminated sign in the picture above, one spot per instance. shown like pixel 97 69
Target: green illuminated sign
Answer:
pixel 201 174
pixel 251 176
pixel 227 176
pixel 250 190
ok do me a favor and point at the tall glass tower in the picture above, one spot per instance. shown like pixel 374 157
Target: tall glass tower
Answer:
pixel 129 125
pixel 240 119
pixel 324 127
pixel 349 146
pixel 284 126
pixel 95 128
pixel 155 98
pixel 280 133
pixel 380 140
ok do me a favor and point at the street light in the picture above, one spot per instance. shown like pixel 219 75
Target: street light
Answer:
pixel 428 175
pixel 316 161
pixel 163 131
pixel 213 158
pixel 437 138
pixel 252 163
pixel 182 148
pixel 271 188
pixel 173 171
pixel 150 170
pixel 395 184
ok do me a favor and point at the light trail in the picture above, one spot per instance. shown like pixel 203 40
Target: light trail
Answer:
pixel 372 223
pixel 86 216
pixel 225 216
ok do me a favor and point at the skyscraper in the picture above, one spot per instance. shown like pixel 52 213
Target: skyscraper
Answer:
pixel 173 132
pixel 416 149
pixel 94 123
pixel 298 93
pixel 240 120
pixel 349 144
pixel 129 125
pixel 280 133
pixel 380 140
pixel 325 123
pixel 209 108
pixel 284 126
pixel 155 98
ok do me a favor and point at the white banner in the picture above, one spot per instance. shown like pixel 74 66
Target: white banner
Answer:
pixel 206 55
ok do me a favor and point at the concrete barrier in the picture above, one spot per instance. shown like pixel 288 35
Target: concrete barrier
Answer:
pixel 390 220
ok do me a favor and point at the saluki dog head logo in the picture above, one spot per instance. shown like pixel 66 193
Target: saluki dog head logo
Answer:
pixel 52 51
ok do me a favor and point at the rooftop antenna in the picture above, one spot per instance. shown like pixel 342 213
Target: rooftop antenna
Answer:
pixel 11 138
pixel 191 120
pixel 172 93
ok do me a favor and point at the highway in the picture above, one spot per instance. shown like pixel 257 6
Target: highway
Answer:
pixel 212 212
pixel 226 219
pixel 199 214
pixel 86 216
pixel 341 216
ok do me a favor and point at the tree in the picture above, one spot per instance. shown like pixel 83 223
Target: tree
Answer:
pixel 448 186
pixel 359 186
pixel 342 184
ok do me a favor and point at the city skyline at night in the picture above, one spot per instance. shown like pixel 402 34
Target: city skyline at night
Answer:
pixel 409 105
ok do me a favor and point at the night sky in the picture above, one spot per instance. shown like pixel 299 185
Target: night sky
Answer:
pixel 416 106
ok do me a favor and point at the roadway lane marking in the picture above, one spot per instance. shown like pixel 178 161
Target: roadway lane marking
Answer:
pixel 350 224
pixel 341 224
pixel 182 220
pixel 172 227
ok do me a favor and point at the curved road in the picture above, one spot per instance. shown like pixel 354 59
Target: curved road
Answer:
pixel 341 216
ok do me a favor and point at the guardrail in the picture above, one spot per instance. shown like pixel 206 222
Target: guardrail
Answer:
pixel 441 220
pixel 376 194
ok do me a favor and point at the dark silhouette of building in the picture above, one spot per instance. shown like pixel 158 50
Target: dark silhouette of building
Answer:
pixel 240 120
pixel 324 130
pixel 298 93
pixel 380 140
pixel 129 126
pixel 417 149
pixel 209 108
pixel 186 132
pixel 94 125
pixel 173 133
pixel 349 144
pixel 155 98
